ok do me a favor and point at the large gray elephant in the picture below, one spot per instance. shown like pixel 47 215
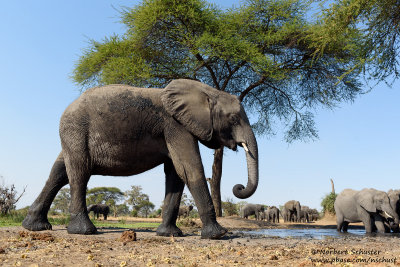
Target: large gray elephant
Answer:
pixel 293 209
pixel 272 214
pixel 121 130
pixel 370 206
pixel 252 209
pixel 99 209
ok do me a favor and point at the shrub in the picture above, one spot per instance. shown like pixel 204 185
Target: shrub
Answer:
pixel 328 203
pixel 229 208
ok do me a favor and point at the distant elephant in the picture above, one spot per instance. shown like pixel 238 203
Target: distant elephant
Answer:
pixel 284 214
pixel 369 206
pixel 313 214
pixel 120 130
pixel 99 209
pixel 293 207
pixel 252 209
pixel 184 211
pixel 394 197
pixel 272 214
pixel 304 217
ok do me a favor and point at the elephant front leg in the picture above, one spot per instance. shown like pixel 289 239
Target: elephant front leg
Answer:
pixel 185 155
pixel 36 219
pixel 173 193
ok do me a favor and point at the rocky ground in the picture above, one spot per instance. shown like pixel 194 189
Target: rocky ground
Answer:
pixel 116 247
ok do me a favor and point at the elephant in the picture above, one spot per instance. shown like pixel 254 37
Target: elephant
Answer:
pixel 313 214
pixel 272 214
pixel 252 209
pixel 99 209
pixel 304 217
pixel 369 206
pixel 284 214
pixel 120 130
pixel 184 211
pixel 394 197
pixel 292 207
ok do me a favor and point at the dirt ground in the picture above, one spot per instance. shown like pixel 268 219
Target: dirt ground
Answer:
pixel 115 247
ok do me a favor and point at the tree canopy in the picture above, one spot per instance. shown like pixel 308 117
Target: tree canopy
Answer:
pixel 370 29
pixel 261 51
pixel 104 195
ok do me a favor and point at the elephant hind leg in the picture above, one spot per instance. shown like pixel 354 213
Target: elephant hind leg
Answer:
pixel 79 174
pixel 174 186
pixel 36 219
pixel 339 222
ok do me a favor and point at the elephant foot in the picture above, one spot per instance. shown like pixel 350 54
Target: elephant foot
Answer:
pixel 81 224
pixel 33 223
pixel 168 230
pixel 213 231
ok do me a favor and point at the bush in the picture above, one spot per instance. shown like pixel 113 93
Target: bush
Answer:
pixel 230 208
pixel 328 203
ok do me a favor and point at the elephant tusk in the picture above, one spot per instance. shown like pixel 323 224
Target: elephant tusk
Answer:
pixel 387 215
pixel 245 147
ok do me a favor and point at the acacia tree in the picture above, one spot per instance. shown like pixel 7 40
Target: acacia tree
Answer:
pixel 261 51
pixel 62 200
pixel 370 29
pixel 105 195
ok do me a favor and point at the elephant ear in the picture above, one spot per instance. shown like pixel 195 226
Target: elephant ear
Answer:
pixel 366 200
pixel 188 102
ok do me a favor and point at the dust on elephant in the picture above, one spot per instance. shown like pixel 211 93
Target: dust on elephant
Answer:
pixel 99 209
pixel 120 130
pixel 272 214
pixel 184 211
pixel 252 209
pixel 369 206
pixel 293 209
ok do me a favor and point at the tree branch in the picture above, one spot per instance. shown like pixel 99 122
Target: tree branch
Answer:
pixel 214 78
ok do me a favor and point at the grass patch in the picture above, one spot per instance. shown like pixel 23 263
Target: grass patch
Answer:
pixel 126 225
pixel 16 218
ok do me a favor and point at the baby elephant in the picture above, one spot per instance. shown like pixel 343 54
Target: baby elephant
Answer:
pixel 369 206
pixel 99 209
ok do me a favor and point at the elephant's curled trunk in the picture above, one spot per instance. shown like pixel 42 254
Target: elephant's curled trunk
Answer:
pixel 250 146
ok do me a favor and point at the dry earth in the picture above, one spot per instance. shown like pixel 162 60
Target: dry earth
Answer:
pixel 115 247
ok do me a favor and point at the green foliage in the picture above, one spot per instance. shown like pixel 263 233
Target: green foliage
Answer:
pixel 369 28
pixel 328 203
pixel 229 207
pixel 61 202
pixel 264 51
pixel 145 208
pixel 128 225
pixel 187 200
pixel 104 195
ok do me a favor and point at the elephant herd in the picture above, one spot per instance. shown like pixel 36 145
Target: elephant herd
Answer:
pixel 292 211
pixel 378 210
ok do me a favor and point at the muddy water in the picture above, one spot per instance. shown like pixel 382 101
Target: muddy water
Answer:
pixel 303 233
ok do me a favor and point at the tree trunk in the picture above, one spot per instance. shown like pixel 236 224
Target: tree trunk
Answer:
pixel 333 187
pixel 215 182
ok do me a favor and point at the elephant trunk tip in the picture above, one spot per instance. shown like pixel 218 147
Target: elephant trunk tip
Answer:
pixel 241 192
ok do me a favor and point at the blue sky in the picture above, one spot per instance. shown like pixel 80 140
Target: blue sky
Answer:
pixel 40 43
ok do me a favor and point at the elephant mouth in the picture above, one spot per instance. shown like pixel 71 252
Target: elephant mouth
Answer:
pixel 386 215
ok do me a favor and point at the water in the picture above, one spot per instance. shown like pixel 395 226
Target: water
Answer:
pixel 304 233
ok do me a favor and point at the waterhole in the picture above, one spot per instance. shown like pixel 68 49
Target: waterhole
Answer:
pixel 303 233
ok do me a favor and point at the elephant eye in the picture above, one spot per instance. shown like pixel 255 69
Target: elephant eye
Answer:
pixel 233 119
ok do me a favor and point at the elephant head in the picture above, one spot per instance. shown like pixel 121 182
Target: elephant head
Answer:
pixel 375 201
pixel 217 119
